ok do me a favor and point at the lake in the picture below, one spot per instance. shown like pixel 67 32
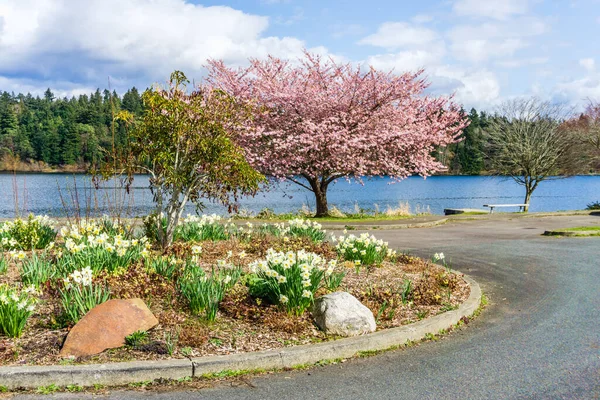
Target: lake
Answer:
pixel 59 194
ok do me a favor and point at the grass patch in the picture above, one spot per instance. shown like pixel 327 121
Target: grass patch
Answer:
pixel 575 231
pixel 583 229
pixel 229 373
pixel 349 218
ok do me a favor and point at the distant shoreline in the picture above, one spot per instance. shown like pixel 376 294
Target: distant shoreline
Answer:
pixel 81 171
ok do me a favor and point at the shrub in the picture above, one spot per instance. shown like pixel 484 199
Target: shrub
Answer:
pixel 593 206
pixel 150 226
pixel 80 294
pixel 362 250
pixel 290 279
pixel 205 292
pixel 35 232
pixel 15 308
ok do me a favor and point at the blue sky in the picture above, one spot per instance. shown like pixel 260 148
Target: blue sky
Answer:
pixel 483 51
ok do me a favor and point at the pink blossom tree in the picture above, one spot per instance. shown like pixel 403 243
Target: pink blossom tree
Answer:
pixel 318 120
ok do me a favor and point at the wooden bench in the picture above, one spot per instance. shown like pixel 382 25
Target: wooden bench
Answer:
pixel 522 207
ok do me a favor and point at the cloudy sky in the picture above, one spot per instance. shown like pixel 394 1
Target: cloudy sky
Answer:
pixel 484 51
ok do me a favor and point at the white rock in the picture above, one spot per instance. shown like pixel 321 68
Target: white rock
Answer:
pixel 342 314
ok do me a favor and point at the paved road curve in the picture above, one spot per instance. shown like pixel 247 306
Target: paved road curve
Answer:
pixel 539 338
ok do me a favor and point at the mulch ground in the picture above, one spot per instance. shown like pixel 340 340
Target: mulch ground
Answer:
pixel 244 324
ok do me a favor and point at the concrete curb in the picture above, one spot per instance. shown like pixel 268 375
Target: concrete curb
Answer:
pixel 112 374
pixel 374 226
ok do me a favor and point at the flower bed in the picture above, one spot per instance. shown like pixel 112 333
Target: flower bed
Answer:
pixel 220 289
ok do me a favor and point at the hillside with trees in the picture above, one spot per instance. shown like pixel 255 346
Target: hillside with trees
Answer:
pixel 41 133
pixel 73 134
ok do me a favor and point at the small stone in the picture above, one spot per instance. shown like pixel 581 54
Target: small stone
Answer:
pixel 106 325
pixel 342 314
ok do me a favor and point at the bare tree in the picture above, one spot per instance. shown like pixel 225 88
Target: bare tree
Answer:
pixel 587 128
pixel 527 143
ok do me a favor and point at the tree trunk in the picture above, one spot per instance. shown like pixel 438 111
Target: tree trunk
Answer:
pixel 319 188
pixel 528 192
pixel 322 208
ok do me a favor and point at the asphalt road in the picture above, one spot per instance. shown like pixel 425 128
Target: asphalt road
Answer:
pixel 539 337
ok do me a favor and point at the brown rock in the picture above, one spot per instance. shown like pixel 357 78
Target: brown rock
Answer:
pixel 106 326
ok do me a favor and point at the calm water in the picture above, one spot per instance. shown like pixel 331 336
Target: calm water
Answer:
pixel 58 194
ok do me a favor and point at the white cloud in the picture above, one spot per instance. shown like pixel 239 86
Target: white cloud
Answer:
pixel 476 87
pixel 578 91
pixel 37 88
pixel 343 30
pixel 496 9
pixel 394 35
pixel 522 62
pixel 422 18
pixel 90 40
pixel 588 63
pixel 408 60
pixel 479 43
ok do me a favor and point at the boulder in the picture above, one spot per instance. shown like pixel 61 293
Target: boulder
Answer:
pixel 106 325
pixel 342 314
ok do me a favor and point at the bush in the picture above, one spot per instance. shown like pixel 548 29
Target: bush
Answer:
pixel 15 308
pixel 593 206
pixel 203 292
pixel 36 232
pixel 362 250
pixel 80 294
pixel 289 279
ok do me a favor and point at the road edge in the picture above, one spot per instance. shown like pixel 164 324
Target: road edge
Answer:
pixel 115 374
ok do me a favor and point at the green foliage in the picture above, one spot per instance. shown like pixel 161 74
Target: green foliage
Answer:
pixel 185 141
pixel 79 294
pixel 15 308
pixel 136 339
pixel 165 266
pixel 334 280
pixel 406 290
pixel 469 153
pixel 37 269
pixel 289 279
pixel 35 232
pixel 171 338
pixel 61 131
pixel 205 292
pixel 206 227
pixel 48 389
pixel 593 206
pixel 305 228
pixel 74 388
pixel 3 263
